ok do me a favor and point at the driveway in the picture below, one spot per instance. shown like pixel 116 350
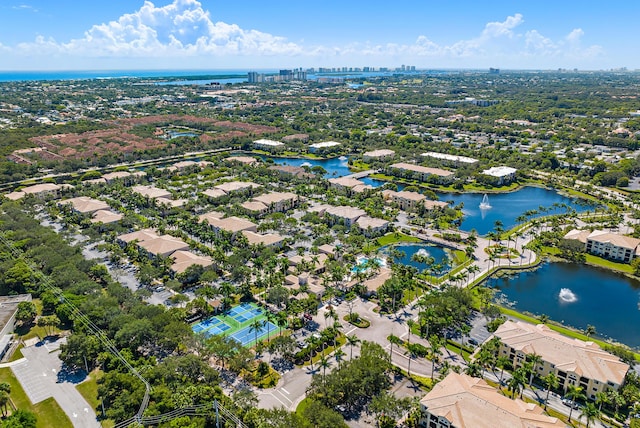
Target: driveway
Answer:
pixel 42 375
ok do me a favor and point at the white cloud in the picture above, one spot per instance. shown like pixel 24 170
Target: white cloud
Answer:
pixel 183 31
pixel 25 7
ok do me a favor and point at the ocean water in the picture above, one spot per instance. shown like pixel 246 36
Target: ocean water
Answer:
pixel 15 76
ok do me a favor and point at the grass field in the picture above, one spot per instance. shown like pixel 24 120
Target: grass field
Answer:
pixel 394 238
pixel 48 412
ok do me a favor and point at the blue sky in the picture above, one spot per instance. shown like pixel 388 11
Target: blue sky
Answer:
pixel 212 34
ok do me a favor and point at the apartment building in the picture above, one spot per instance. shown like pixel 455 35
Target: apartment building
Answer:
pixel 461 401
pixel 574 361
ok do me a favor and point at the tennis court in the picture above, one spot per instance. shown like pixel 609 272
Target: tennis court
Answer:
pixel 247 335
pixel 235 323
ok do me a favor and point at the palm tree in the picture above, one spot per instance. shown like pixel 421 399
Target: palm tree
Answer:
pixel 339 355
pixel 410 324
pixel 474 369
pixel 503 361
pixel 517 381
pixel 393 340
pixel 590 413
pixel 256 327
pixel 590 330
pixel 270 318
pixel 551 381
pixel 324 363
pixel 534 359
pixel 352 341
pixel 601 398
pixel 616 399
pixel 574 392
pixel 434 352
pixel 4 400
pixel 281 320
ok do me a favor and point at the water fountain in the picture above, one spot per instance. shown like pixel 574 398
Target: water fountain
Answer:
pixel 485 205
pixel 567 296
pixel 423 252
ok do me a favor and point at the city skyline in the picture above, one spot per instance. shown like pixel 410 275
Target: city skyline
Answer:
pixel 192 34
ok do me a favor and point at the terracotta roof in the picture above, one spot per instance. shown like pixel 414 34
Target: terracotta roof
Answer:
pixel 183 259
pixel 567 354
pixel 614 238
pixel 422 169
pixel 106 217
pixel 234 186
pixel 85 204
pixel 470 402
pixel 152 192
pixel 163 245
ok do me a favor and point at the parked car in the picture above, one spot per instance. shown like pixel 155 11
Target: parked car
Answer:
pixel 473 342
pixel 570 403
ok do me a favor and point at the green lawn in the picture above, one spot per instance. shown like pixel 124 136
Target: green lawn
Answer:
pixel 48 412
pixel 394 238
pixel 89 388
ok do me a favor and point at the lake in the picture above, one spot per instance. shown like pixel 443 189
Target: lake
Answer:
pixel 438 253
pixel 577 295
pixel 506 207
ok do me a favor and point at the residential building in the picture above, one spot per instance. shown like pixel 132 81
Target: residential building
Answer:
pixel 151 192
pixel 406 201
pixel 38 190
pixel 85 204
pixel 349 184
pixel 138 236
pixel 324 147
pixel 182 260
pixel 278 201
pixel 214 193
pixel 231 224
pixel 371 226
pixel 236 186
pixel 345 214
pixel 244 160
pixel 267 239
pixel 451 159
pixel 504 174
pixel 288 170
pixel 378 155
pixel 268 145
pixel 574 361
pixel 254 208
pixel 612 246
pixel 461 401
pixel 420 173
pixel 163 245
pixel 105 217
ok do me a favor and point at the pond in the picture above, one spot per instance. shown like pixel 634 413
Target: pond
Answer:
pixel 439 254
pixel 506 207
pixel 577 295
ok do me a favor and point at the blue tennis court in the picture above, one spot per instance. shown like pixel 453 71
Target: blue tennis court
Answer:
pixel 247 335
pixel 205 325
pixel 217 329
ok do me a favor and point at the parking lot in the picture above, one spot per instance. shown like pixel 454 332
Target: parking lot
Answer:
pixel 42 375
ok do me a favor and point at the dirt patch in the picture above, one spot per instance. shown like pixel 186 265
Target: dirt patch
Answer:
pixel 119 138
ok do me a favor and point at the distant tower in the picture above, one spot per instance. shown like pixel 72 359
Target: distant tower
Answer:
pixel 494 71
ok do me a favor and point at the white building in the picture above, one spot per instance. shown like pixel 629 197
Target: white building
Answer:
pixel 504 174
pixel 323 147
pixel 268 145
pixel 453 159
